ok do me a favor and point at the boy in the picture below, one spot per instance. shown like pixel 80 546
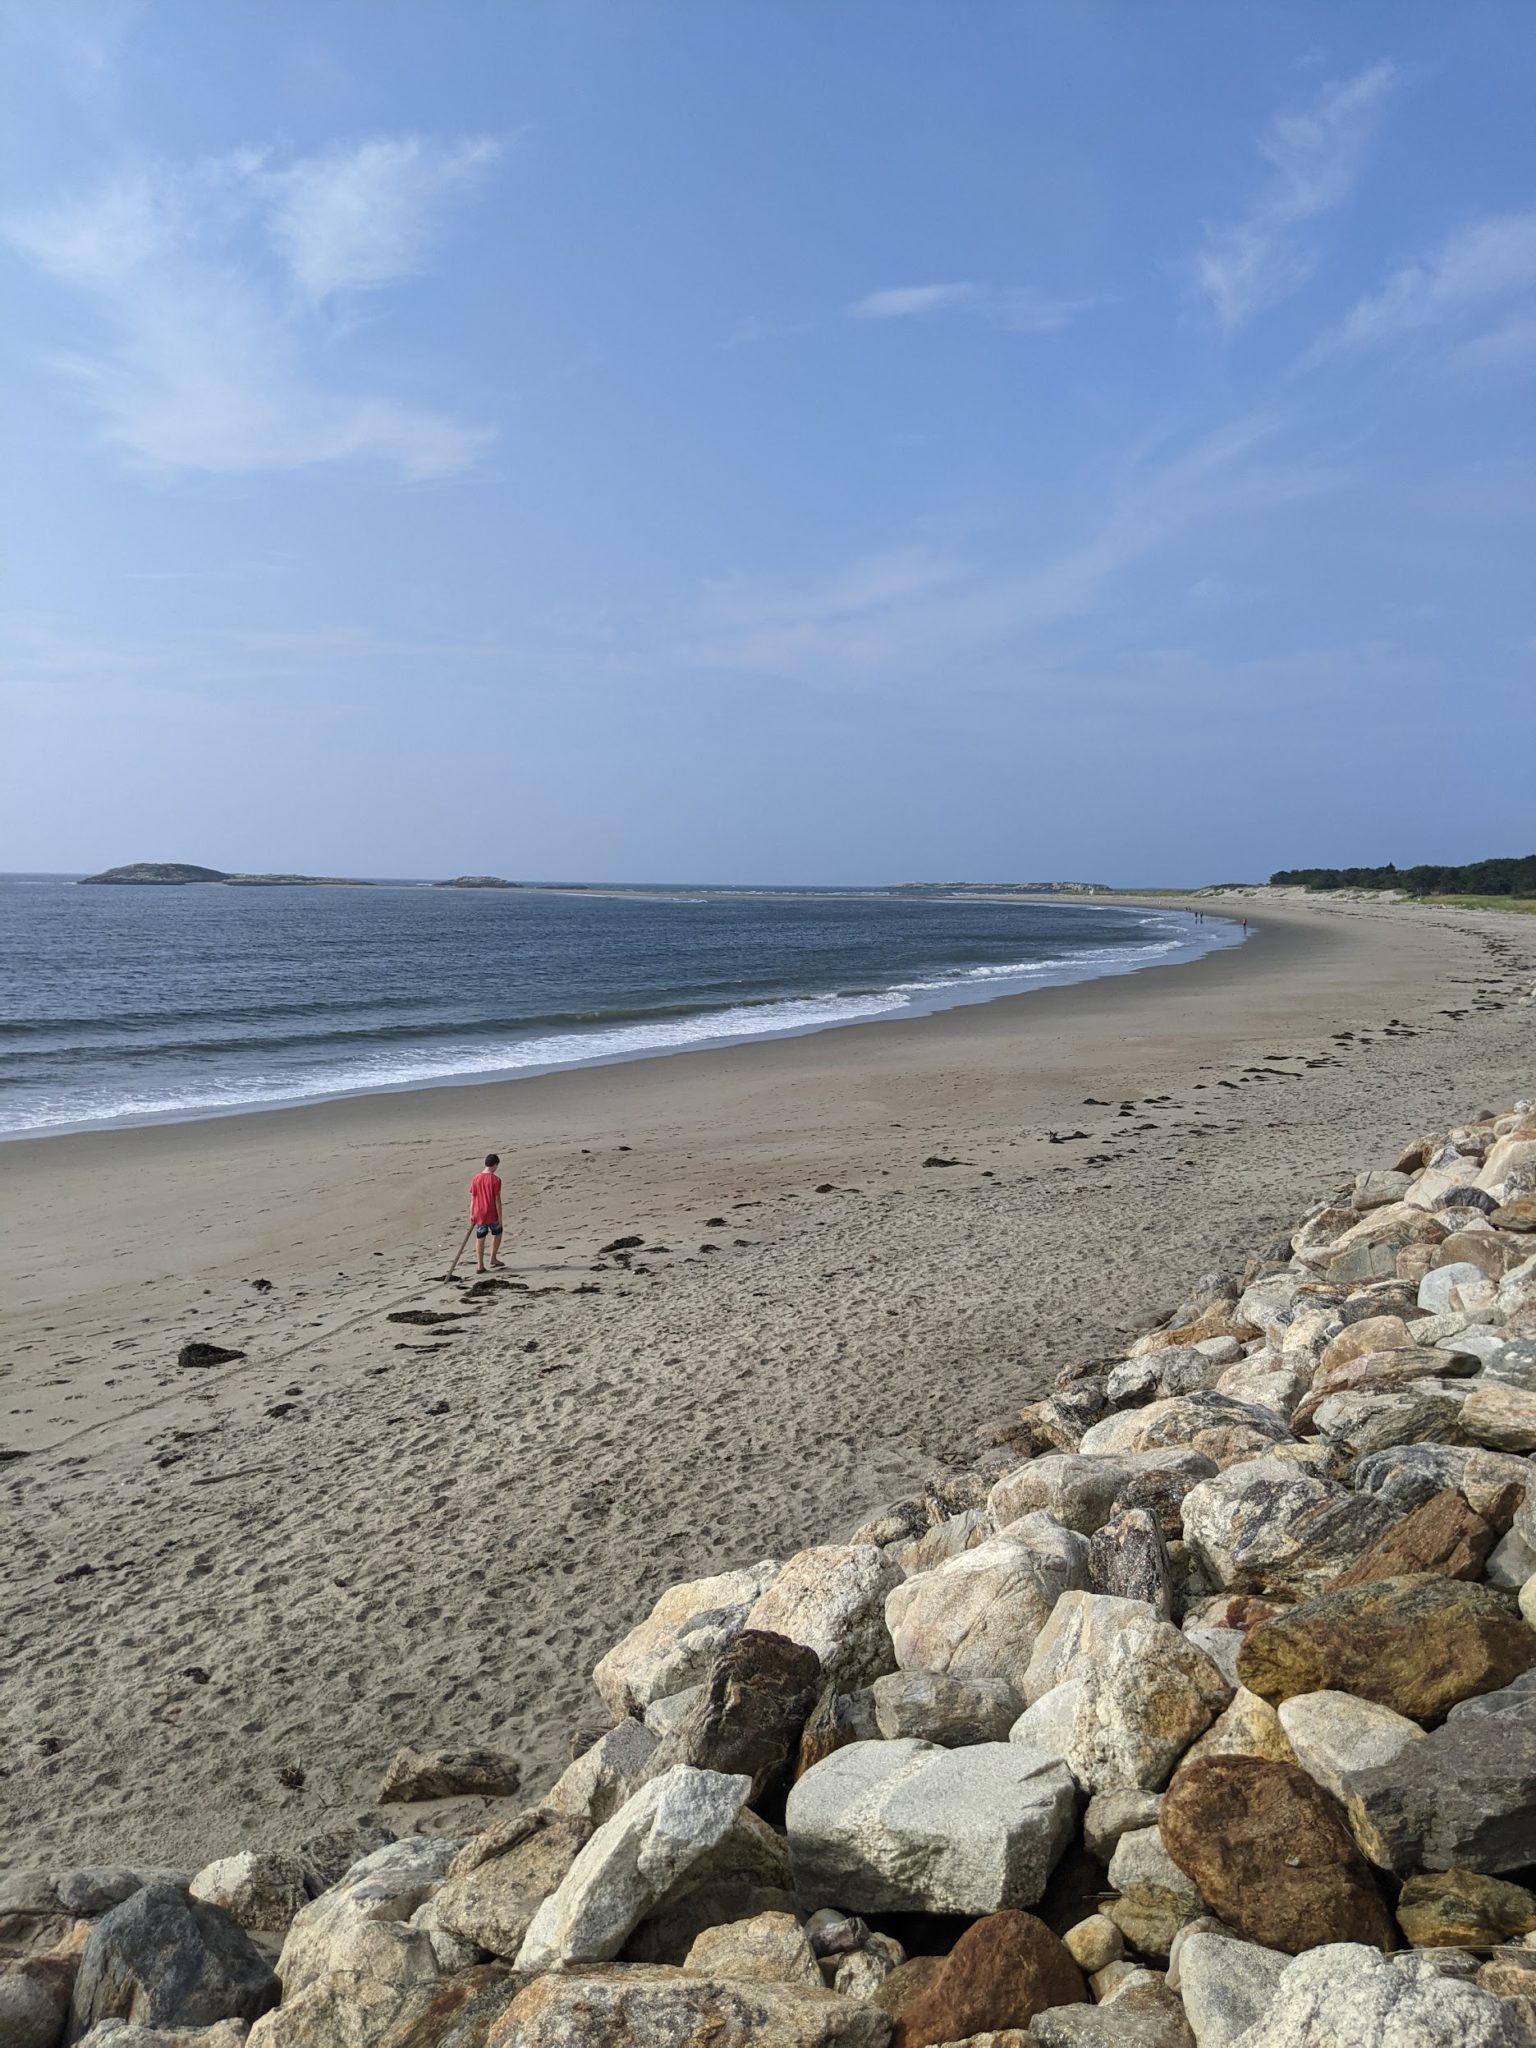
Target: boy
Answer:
pixel 485 1211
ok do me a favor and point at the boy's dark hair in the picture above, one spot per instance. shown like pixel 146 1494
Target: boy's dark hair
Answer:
pixel 493 1159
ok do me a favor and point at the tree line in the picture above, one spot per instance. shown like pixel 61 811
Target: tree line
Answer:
pixel 1515 876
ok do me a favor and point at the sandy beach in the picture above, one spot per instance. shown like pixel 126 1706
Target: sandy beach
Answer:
pixel 231 1593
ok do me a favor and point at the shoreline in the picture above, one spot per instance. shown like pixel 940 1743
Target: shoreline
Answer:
pixel 365 1546
pixel 943 996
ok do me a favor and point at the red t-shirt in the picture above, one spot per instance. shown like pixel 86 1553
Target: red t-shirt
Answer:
pixel 485 1198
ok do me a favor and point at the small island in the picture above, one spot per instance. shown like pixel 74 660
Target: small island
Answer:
pixel 477 882
pixel 158 874
pixel 175 874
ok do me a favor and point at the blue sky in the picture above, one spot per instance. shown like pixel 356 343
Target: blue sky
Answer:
pixel 765 440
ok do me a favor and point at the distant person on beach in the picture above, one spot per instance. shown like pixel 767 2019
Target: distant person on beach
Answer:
pixel 485 1212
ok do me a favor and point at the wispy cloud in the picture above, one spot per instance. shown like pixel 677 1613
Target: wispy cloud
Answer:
pixel 207 282
pixel 1017 307
pixel 1488 267
pixel 1315 154
pixel 355 219
pixel 909 613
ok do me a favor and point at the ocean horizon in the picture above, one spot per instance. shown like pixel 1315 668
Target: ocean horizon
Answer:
pixel 139 1005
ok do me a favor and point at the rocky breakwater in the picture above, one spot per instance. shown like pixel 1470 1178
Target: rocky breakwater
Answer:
pixel 1202 1713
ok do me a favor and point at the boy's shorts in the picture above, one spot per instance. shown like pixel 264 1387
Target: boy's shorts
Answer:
pixel 487 1230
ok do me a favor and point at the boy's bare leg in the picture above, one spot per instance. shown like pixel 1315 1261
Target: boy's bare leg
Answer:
pixel 495 1252
pixel 479 1254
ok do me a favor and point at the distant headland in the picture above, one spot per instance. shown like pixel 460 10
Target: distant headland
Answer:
pixel 176 874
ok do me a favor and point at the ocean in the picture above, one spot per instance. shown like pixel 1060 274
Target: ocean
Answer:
pixel 134 1005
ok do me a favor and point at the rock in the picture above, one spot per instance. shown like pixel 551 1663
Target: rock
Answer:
pixel 837 1719
pixel 460 2012
pixel 934 1707
pixel 1270 1854
pixel 1222 1644
pixel 98 1887
pixel 674 1646
pixel 1346 1992
pixel 1416 1367
pixel 1111 1815
pixel 1493 1255
pixel 906 1983
pixel 1504 1160
pixel 1264 1381
pixel 831 1933
pixel 1514 1701
pixel 1248 1726
pixel 946 1539
pixel 1440 1288
pixel 1227 1985
pixel 1442 1535
pixel 629 1864
pixel 1463 1798
pixel 417 1774
pixel 1063 1416
pixel 1133 1709
pixel 832 1600
pixel 35 1993
pixel 1499 1416
pixel 906 1826
pixel 123 2034
pixel 1158 1481
pixel 748 1714
pixel 1000 1973
pixel 386 1977
pixel 330 1852
pixel 1156 1897
pixel 198 1354
pixel 261 1889
pixel 596 1785
pixel 861 1974
pixel 1129 1559
pixel 1508 1973
pixel 1139 2012
pixel 164 1961
pixel 745 1874
pixel 1136 1381
pixel 1218 1427
pixel 1081 1627
pixel 1360 1338
pixel 1373 1189
pixel 1514 1362
pixel 1075 1491
pixel 1463 1909
pixel 1406 1475
pixel 1265 1525
pixel 1334 1734
pixel 497 1882
pixel 652 2006
pixel 771 1948
pixel 1417 1645
pixel 977 1616
pixel 1517 1215
pixel 387 1886
pixel 899 1523
pixel 1357 1423
pixel 1094 1943
pixel 663 1715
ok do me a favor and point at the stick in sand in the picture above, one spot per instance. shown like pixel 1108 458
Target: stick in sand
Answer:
pixel 464 1240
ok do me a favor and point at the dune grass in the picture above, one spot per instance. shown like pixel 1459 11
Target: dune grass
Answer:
pixel 1524 904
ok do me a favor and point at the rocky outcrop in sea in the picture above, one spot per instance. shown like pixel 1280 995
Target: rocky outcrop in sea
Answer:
pixel 1201 1715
